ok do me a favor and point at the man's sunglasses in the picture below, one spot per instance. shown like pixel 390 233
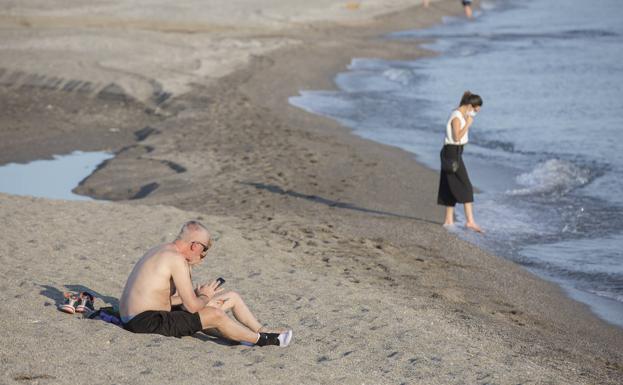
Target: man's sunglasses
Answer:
pixel 205 247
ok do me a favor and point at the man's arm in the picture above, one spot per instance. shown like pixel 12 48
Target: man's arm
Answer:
pixel 181 278
pixel 176 300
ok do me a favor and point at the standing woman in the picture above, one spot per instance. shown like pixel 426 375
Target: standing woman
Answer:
pixel 454 184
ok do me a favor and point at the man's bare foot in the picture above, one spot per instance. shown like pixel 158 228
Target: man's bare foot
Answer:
pixel 473 226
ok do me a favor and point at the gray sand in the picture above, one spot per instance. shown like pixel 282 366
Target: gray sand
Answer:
pixel 352 323
pixel 329 234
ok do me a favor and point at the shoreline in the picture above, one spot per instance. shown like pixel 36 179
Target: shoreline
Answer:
pixel 315 199
pixel 605 307
pixel 431 175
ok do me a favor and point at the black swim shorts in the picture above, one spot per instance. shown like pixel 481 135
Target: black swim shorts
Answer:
pixel 467 2
pixel 176 323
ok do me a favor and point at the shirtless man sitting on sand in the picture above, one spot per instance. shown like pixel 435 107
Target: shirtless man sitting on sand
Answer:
pixel 160 283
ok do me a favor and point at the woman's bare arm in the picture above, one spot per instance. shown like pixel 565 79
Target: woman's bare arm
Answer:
pixel 457 132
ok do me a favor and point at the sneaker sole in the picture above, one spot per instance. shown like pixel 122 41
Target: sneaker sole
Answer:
pixel 288 339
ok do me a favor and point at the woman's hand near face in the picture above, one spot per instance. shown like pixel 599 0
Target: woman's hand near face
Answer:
pixel 469 120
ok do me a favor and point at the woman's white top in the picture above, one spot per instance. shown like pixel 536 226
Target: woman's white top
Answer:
pixel 449 137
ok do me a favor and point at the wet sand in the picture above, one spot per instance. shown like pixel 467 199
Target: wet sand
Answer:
pixel 332 235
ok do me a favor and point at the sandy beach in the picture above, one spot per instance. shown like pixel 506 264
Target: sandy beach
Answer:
pixel 332 235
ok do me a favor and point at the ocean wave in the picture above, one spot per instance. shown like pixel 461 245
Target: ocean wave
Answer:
pixel 599 280
pixel 554 176
pixel 493 144
pixel 398 75
pixel 367 64
pixel 505 37
pixel 607 294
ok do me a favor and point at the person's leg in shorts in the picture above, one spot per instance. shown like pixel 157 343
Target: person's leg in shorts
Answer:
pixel 178 323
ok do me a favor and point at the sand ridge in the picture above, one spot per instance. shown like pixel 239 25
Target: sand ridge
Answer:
pixel 150 50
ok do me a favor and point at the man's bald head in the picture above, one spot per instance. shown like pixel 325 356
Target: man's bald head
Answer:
pixel 193 231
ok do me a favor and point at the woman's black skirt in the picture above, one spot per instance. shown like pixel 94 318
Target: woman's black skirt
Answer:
pixel 454 187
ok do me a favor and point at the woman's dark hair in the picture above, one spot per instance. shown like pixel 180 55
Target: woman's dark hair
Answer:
pixel 471 99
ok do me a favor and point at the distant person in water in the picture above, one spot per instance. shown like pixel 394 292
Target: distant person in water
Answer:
pixel 454 184
pixel 467 7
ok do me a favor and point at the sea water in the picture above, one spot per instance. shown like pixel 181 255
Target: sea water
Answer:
pixel 546 150
pixel 54 178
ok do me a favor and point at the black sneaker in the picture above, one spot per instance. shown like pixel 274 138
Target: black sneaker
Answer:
pixel 277 339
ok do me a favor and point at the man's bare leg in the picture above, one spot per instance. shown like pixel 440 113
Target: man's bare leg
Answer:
pixel 232 300
pixel 214 318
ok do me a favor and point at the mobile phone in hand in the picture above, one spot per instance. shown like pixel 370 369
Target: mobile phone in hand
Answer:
pixel 220 281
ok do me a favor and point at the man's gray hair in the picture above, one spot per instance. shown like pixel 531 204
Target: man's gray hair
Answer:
pixel 190 228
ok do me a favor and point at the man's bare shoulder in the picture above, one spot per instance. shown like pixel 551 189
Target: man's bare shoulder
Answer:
pixel 168 255
pixel 166 249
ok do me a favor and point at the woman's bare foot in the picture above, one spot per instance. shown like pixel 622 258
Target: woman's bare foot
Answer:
pixel 473 226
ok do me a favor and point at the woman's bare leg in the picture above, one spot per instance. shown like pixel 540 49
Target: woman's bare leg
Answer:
pixel 469 216
pixel 449 216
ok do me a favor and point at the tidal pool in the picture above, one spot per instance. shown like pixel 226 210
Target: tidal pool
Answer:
pixel 54 178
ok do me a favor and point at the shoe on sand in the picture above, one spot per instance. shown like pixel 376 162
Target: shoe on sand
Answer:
pixel 85 304
pixel 278 339
pixel 285 338
pixel 69 306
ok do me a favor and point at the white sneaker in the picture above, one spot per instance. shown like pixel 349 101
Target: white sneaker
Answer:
pixel 285 338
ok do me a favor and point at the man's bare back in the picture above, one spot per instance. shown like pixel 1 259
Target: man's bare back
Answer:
pixel 151 285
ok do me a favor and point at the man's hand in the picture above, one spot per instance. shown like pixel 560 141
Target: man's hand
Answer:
pixel 209 290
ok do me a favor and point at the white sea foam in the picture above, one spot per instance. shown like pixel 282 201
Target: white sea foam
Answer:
pixel 487 5
pixel 554 176
pixel 366 64
pixel 515 223
pixel 607 294
pixel 321 102
pixel 399 75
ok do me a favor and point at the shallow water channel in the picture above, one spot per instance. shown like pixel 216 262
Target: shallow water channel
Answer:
pixel 54 178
